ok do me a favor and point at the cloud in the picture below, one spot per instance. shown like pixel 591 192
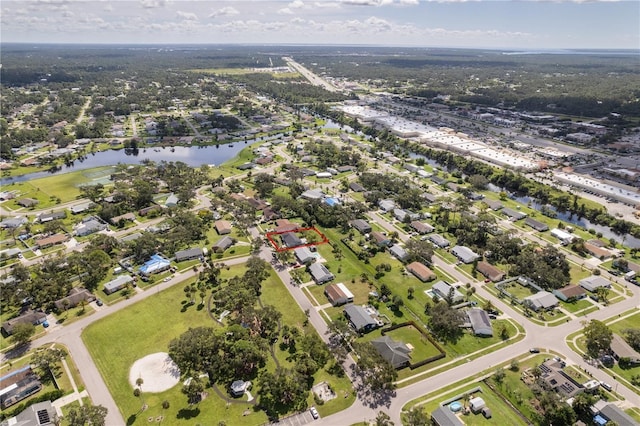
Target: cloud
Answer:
pixel 326 5
pixel 108 8
pixel 296 4
pixel 225 11
pixel 188 16
pixel 153 4
pixel 285 11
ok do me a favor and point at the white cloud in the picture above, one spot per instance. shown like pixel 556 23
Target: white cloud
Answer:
pixel 285 11
pixel 296 4
pixel 188 16
pixel 153 4
pixel 326 5
pixel 225 11
pixel 108 8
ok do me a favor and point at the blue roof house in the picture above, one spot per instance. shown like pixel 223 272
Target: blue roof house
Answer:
pixel 154 265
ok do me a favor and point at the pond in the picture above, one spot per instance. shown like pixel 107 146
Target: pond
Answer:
pixel 194 156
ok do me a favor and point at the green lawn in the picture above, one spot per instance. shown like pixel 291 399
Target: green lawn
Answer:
pixel 117 341
pixel 501 413
pixel 422 347
pixel 577 305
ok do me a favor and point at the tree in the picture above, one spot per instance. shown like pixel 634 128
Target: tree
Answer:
pixel 194 350
pixel 193 390
pixel 499 375
pixel 416 417
pixel 603 294
pixel 93 415
pixel 632 336
pixel 597 337
pixel 282 391
pixel 383 419
pixel 22 333
pixel 377 373
pixel 46 359
pixel 445 322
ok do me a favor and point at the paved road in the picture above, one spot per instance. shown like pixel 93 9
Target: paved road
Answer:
pixel 69 335
pixel 550 338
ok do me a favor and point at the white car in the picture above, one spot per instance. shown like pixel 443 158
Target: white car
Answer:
pixel 314 412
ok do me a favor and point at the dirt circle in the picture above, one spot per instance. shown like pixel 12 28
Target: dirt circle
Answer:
pixel 157 371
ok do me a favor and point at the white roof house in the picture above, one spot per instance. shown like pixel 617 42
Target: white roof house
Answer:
pixel 564 237
pixel 541 300
pixel 464 254
pixel 442 290
pixel 594 282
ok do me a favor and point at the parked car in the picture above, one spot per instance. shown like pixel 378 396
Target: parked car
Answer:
pixel 99 302
pixel 314 412
pixel 534 350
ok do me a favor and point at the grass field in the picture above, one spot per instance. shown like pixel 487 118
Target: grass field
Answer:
pixel 63 187
pixel 117 341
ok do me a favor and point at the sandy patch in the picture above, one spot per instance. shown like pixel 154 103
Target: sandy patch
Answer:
pixel 158 371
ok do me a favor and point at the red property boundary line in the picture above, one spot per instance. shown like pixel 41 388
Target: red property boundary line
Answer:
pixel 278 248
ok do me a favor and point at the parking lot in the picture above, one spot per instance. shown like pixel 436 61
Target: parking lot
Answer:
pixel 296 420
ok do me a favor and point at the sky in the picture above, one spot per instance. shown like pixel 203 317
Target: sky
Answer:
pixel 526 24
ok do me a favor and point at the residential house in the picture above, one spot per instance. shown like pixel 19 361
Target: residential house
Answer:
pixel 338 294
pixel 398 252
pixel 612 413
pixel 396 353
pixel 171 201
pixel 284 225
pixel 145 211
pixel 443 416
pixel 490 271
pixel 558 380
pixel 189 254
pixel 402 215
pixel 154 265
pixel 464 254
pixel 537 225
pixel 423 273
pixel 304 255
pixel 360 318
pixel 444 290
pixel 117 283
pixel 222 226
pixel 542 300
pixel 320 273
pixel 380 239
pixel 13 222
pixel 439 241
pixel 386 205
pixel 594 282
pixel 421 227
pixel 48 217
pixel 127 217
pixel 290 239
pixel 480 322
pixel 313 194
pixel 42 243
pixel 10 253
pixel 89 227
pixel 597 250
pixel 38 414
pixel 356 187
pixel 453 186
pixel 222 244
pixel 429 197
pixel 513 215
pixel 564 237
pixel 569 293
pixel 494 205
pixel 81 208
pixel 361 225
pixel 621 349
pixel 73 299
pixel 27 317
pixel 27 202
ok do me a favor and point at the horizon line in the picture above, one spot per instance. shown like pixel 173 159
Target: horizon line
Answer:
pixel 159 44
